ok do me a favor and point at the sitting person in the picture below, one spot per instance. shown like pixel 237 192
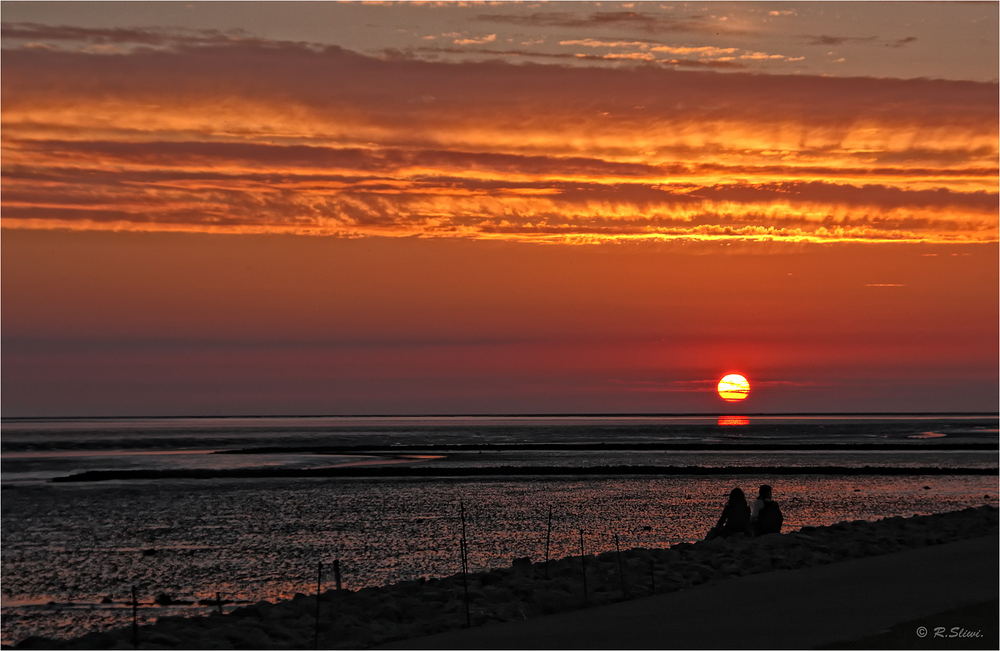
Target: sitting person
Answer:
pixel 735 517
pixel 766 515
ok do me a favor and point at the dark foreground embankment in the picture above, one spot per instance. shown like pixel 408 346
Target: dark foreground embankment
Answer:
pixel 928 589
pixel 374 616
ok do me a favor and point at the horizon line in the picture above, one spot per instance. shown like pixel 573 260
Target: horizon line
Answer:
pixel 520 415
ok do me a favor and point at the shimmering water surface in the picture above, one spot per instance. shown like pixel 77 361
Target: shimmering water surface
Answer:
pixel 72 551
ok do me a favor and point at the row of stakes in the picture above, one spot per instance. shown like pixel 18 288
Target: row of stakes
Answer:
pixel 464 553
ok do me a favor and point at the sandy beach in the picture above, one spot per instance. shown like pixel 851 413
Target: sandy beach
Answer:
pixel 535 598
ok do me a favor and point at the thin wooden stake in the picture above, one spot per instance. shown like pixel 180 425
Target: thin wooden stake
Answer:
pixel 461 506
pixel 319 587
pixel 548 537
pixel 465 566
pixel 465 585
pixel 621 569
pixel 583 563
pixel 336 573
pixel 218 600
pixel 135 620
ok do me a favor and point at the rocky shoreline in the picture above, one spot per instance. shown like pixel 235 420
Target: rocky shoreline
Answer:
pixel 377 615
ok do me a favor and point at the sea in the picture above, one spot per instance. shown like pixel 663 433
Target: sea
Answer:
pixel 194 513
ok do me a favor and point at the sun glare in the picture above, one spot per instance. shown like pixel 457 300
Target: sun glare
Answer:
pixel 734 388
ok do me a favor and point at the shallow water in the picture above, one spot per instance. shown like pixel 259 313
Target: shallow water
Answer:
pixel 39 450
pixel 68 547
pixel 252 540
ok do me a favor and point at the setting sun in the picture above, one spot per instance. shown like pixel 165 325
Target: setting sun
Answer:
pixel 734 388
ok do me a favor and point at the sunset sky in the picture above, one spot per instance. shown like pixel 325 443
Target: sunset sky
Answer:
pixel 423 208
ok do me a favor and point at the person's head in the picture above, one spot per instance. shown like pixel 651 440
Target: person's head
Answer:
pixel 736 495
pixel 765 492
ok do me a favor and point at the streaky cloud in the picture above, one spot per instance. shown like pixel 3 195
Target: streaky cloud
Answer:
pixel 635 20
pixel 824 39
pixel 289 137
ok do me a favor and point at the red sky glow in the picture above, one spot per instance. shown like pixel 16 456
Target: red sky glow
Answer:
pixel 574 207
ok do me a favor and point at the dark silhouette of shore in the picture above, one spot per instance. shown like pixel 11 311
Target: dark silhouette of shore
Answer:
pixel 679 447
pixel 507 471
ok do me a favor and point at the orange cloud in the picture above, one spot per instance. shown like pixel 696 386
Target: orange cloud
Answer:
pixel 217 133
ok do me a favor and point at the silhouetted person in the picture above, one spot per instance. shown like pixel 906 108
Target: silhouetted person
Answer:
pixel 735 517
pixel 766 515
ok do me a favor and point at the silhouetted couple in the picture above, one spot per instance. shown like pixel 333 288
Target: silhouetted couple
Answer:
pixel 738 518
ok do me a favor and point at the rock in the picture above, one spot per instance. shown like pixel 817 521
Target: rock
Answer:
pixel 496 594
pixel 165 641
pixel 557 601
pixel 163 599
pixel 731 569
pixel 280 610
pixel 522 565
pixel 96 641
pixel 422 611
pixel 704 571
pixel 494 577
